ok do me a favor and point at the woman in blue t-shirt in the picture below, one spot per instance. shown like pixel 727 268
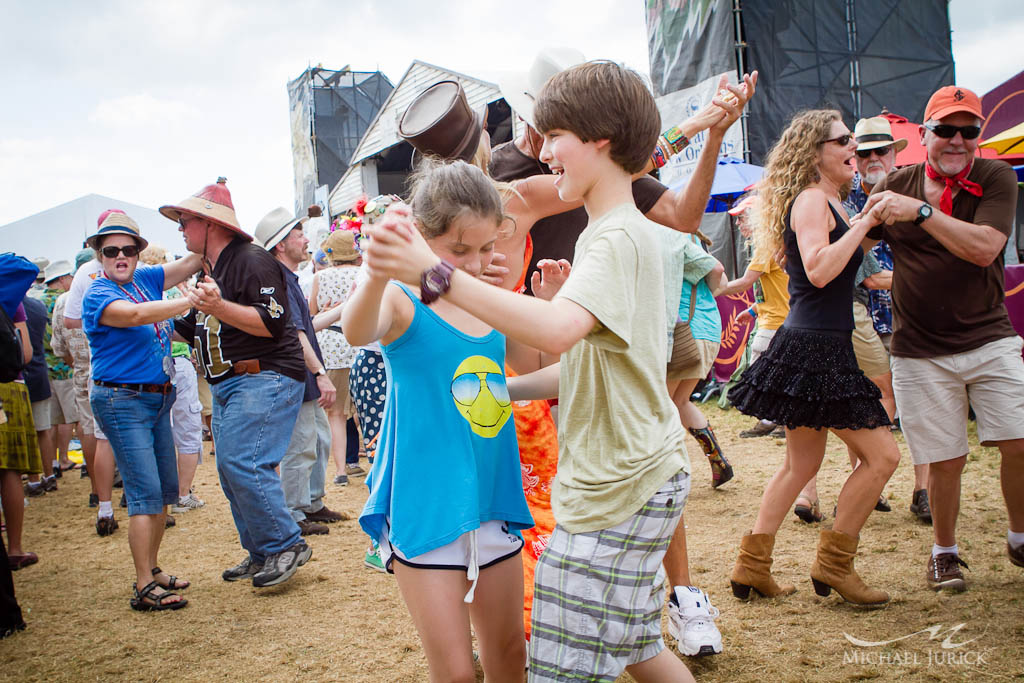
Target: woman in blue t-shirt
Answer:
pixel 127 323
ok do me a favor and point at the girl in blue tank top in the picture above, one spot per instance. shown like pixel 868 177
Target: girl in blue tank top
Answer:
pixel 446 499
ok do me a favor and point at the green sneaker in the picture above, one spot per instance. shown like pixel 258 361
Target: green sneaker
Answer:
pixel 372 559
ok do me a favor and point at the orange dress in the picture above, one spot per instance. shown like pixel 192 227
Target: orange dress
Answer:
pixel 538 457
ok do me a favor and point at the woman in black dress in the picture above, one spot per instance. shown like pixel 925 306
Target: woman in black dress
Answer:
pixel 808 379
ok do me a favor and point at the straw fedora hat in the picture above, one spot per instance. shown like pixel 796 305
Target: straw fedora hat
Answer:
pixel 57 269
pixel 116 222
pixel 212 203
pixel 440 122
pixel 275 226
pixel 520 89
pixel 876 132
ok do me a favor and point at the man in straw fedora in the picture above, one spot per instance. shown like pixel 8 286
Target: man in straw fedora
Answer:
pixel 302 474
pixel 947 221
pixel 252 359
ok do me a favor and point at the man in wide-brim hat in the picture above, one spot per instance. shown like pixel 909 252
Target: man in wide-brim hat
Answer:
pixel 303 469
pixel 253 362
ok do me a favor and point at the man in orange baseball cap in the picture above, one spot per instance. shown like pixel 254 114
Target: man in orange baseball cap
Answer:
pixel 947 221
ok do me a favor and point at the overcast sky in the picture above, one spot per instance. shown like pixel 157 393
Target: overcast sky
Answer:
pixel 148 101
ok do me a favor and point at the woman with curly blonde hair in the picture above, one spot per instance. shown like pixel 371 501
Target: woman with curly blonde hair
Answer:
pixel 808 379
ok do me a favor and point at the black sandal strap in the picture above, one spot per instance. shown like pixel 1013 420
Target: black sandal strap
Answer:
pixel 156 570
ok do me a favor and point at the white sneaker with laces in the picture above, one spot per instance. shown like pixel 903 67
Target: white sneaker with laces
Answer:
pixel 692 622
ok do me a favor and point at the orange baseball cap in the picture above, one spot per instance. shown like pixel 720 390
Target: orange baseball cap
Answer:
pixel 951 99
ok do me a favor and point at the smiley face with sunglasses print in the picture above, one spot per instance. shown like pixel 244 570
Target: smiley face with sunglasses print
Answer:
pixel 481 395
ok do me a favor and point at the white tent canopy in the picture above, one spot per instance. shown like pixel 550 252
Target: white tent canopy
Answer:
pixel 58 233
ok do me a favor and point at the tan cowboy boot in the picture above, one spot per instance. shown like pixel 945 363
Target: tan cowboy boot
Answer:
pixel 833 568
pixel 753 569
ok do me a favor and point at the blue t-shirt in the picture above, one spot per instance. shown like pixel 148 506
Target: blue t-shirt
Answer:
pixel 132 355
pixel 707 322
pixel 448 458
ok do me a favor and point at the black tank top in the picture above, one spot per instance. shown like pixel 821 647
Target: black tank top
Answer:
pixel 820 308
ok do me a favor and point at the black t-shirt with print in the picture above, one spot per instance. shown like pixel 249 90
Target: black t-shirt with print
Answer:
pixel 249 276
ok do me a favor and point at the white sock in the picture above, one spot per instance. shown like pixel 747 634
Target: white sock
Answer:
pixel 939 549
pixel 1015 538
pixel 106 509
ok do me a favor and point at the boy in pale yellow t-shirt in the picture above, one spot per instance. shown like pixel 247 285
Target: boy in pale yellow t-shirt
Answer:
pixel 622 471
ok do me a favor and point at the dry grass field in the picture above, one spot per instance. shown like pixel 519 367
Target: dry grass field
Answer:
pixel 337 621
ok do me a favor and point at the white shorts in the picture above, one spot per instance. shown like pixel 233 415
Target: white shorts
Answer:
pixel 759 344
pixel 96 430
pixel 933 394
pixel 187 411
pixel 494 543
pixel 62 391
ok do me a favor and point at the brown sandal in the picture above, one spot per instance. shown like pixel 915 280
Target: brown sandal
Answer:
pixel 808 513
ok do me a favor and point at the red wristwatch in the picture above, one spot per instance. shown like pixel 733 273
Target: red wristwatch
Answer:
pixel 435 282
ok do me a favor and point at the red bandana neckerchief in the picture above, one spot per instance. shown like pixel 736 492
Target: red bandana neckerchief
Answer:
pixel 960 179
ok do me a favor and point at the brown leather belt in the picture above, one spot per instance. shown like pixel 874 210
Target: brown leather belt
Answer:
pixel 148 388
pixel 246 367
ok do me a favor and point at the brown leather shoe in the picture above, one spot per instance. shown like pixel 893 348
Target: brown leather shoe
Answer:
pixel 308 527
pixel 326 516
pixel 944 572
pixel 759 429
pixel 1016 554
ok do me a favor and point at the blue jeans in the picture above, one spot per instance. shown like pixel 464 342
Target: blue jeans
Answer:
pixel 138 425
pixel 253 418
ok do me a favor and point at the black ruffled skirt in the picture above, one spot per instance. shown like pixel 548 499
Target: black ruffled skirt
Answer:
pixel 810 378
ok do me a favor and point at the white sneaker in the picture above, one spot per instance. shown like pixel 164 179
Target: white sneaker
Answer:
pixel 692 622
pixel 186 503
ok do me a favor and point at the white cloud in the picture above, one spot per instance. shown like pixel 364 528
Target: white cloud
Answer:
pixel 141 110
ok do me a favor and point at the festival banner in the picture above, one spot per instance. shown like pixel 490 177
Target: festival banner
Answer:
pixel 688 41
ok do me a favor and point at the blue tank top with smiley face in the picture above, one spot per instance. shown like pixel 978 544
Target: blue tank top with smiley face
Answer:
pixel 448 459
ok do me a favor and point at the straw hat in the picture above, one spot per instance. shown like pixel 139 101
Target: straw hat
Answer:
pixel 275 226
pixel 340 246
pixel 521 89
pixel 876 132
pixel 116 223
pixel 440 122
pixel 212 203
pixel 57 269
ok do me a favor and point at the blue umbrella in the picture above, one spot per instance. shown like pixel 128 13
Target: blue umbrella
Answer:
pixel 732 176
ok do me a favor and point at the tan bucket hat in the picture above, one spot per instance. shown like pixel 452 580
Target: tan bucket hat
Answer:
pixel 340 246
pixel 117 223
pixel 521 89
pixel 212 203
pixel 275 226
pixel 874 133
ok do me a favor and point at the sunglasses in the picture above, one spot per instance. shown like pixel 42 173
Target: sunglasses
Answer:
pixel 842 140
pixel 944 130
pixel 877 151
pixel 128 250
pixel 465 388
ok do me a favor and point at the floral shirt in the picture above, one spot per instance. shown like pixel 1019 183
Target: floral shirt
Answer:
pixel 55 364
pixel 880 300
pixel 66 341
pixel 335 285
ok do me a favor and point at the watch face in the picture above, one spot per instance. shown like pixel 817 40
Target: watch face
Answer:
pixel 434 281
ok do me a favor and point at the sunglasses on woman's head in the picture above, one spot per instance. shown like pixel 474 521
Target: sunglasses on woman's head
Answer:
pixel 944 130
pixel 128 250
pixel 842 140
pixel 877 151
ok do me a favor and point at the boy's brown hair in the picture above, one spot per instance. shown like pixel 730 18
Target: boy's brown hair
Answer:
pixel 602 100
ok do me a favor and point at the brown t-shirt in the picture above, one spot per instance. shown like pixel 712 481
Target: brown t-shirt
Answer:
pixel 941 303
pixel 555 237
